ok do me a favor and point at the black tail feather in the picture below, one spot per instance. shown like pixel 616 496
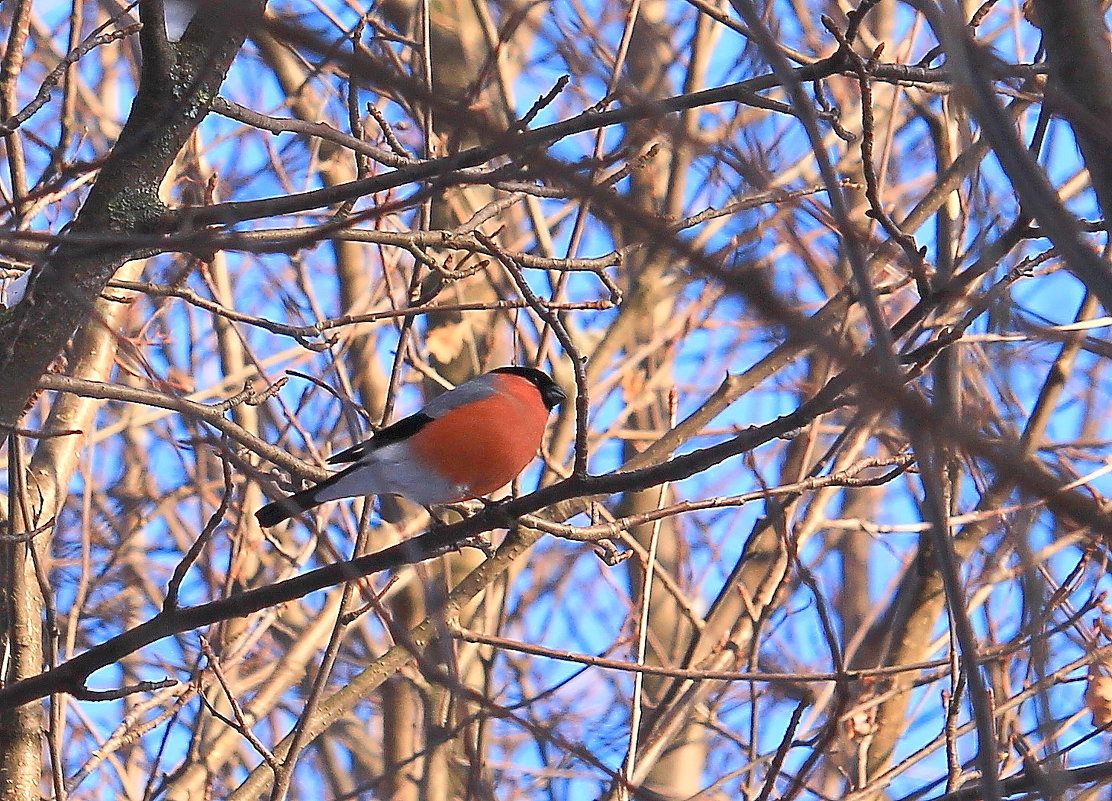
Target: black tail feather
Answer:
pixel 274 513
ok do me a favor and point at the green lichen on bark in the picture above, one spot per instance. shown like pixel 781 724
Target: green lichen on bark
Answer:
pixel 135 209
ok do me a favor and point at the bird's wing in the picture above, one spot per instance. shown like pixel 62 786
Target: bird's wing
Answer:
pixel 476 389
pixel 395 432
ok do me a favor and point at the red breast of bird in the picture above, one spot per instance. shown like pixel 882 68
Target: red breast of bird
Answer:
pixel 464 444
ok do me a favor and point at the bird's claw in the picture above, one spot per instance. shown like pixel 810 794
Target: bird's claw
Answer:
pixel 481 542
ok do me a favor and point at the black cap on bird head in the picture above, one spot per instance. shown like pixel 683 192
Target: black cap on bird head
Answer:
pixel 550 391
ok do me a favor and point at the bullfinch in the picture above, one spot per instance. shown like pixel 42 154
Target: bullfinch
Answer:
pixel 464 444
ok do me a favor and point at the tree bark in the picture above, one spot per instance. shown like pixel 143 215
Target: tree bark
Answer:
pixel 123 212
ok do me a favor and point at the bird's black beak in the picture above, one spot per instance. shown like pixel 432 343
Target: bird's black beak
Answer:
pixel 553 396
